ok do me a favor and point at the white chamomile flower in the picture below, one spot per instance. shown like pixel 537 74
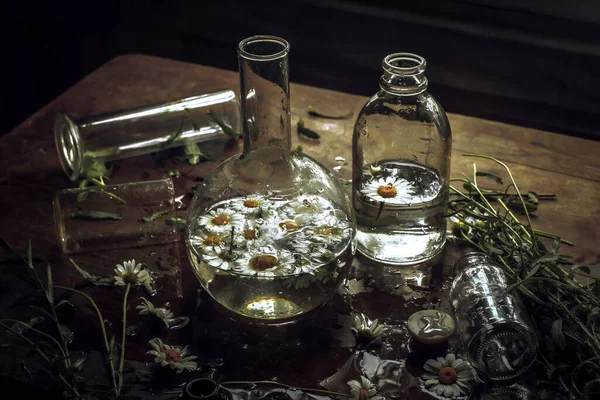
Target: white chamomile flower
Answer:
pixel 265 261
pixel 221 220
pixel 364 327
pixel 162 313
pixel 252 234
pixel 252 204
pixel 174 357
pixel 330 230
pixel 211 241
pixel 388 190
pixel 312 249
pixel 448 376
pixel 131 273
pixel 221 258
pixel 301 281
pixel 364 390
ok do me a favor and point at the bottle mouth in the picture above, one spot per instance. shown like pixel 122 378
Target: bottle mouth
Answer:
pixel 68 145
pixel 406 64
pixel 202 388
pixel 263 48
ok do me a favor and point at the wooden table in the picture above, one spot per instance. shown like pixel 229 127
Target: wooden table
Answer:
pixel 540 161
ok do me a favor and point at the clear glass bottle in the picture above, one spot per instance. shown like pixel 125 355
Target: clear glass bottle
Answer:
pixel 492 323
pixel 401 166
pixel 270 231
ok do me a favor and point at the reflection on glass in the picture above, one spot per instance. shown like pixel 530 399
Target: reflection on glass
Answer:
pixel 117 216
pixel 143 130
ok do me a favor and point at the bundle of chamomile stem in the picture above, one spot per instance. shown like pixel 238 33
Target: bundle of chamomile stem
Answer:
pixel 565 312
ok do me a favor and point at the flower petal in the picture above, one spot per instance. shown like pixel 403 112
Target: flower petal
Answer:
pixel 433 365
pixel 455 390
pixel 447 391
pixel 427 375
pixel 450 359
pixel 466 375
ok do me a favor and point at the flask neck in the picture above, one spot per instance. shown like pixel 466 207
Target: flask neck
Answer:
pixel 403 74
pixel 265 92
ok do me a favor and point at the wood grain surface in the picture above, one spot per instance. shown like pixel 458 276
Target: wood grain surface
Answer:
pixel 540 161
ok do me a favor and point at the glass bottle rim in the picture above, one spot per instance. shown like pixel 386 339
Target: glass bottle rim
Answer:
pixel 69 145
pixel 415 64
pixel 273 48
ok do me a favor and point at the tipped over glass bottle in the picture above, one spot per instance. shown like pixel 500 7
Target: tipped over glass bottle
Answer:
pixel 270 231
pixel 401 166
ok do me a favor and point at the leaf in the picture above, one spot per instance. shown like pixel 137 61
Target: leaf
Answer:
pixel 171 139
pixel 533 198
pixel 194 154
pixel 341 115
pixel 50 284
pixel 29 256
pixel 227 130
pixel 557 334
pixel 93 279
pixel 95 215
pixel 493 177
pixel 156 215
pixel 302 130
pixel 78 363
pixel 493 249
pixel 177 222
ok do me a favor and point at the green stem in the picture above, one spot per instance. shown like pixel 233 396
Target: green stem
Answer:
pixel 62 350
pixel 44 357
pixel 102 327
pixel 285 386
pixel 123 336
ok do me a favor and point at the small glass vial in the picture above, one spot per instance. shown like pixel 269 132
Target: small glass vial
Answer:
pixel 401 165
pixel 142 130
pixel 115 216
pixel 492 323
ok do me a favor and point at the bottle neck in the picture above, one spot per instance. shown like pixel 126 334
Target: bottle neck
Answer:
pixel 403 74
pixel 471 259
pixel 265 93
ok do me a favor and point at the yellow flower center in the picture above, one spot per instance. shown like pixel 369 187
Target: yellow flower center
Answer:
pixel 212 240
pixel 264 262
pixel 251 203
pixel 447 376
pixel 326 230
pixel 221 220
pixel 130 277
pixel 387 191
pixel 250 234
pixel 289 226
pixel 172 355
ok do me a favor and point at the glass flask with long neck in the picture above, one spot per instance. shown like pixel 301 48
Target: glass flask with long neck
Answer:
pixel 270 231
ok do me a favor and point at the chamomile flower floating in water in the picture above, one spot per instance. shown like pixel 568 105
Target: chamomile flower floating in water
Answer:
pixel 222 258
pixel 131 273
pixel 388 190
pixel 448 376
pixel 211 241
pixel 174 357
pixel 364 390
pixel 221 220
pixel 250 205
pixel 265 261
pixel 252 234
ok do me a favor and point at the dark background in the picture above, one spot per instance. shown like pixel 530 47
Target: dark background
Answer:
pixel 534 63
